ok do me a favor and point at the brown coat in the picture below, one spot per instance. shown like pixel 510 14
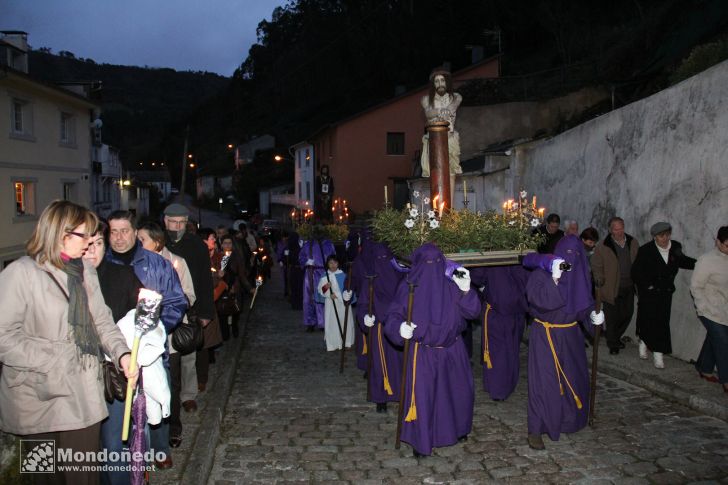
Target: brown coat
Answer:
pixel 43 387
pixel 605 267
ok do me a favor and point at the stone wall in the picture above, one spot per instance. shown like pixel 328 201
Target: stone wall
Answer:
pixel 662 158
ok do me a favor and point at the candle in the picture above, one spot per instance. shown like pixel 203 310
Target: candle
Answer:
pixel 505 205
pixel 386 199
pixel 540 212
pixel 534 202
pixel 465 190
pixel 442 207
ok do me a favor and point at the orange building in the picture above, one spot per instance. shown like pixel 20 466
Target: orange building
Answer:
pixel 380 146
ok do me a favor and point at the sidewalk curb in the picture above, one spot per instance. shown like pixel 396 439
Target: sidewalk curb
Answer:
pixel 199 465
pixel 665 389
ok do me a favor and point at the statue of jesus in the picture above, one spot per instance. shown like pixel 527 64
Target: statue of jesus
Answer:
pixel 441 104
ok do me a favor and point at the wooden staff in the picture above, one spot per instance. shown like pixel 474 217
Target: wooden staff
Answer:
pixel 331 292
pixel 400 413
pixel 595 358
pixel 347 304
pixel 370 332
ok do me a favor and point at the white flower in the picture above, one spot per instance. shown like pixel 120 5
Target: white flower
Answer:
pixel 523 194
pixel 434 223
pixel 431 214
pixel 416 194
pixel 515 205
pixel 426 200
pixel 409 223
pixel 534 222
pixel 413 212
pixel 512 223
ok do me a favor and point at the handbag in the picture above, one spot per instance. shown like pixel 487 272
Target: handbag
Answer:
pixel 227 304
pixel 114 383
pixel 188 336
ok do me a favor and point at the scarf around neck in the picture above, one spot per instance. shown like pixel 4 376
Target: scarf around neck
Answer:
pixel 79 315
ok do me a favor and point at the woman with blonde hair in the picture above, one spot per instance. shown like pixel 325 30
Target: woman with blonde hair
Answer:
pixel 53 328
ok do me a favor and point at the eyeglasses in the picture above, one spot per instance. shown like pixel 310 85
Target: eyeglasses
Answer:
pixel 78 234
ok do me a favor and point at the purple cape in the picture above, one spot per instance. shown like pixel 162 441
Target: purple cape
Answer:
pixel 386 368
pixel 363 265
pixel 502 326
pixel 443 380
pixel 313 313
pixel 558 402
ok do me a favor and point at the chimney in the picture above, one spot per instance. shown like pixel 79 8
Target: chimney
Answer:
pixel 14 49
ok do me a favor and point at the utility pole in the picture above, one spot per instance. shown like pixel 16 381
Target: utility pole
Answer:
pixel 181 195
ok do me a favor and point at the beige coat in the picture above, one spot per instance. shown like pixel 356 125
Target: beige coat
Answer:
pixel 709 286
pixel 43 387
pixel 605 268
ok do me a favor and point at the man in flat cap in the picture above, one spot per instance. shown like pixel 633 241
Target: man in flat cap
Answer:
pixel 653 273
pixel 194 252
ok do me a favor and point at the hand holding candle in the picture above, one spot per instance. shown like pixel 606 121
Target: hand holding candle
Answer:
pixel 149 306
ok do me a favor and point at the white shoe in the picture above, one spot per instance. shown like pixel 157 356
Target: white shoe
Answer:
pixel 643 350
pixel 657 357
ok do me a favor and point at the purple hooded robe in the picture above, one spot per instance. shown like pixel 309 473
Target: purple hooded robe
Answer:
pixel 363 265
pixel 386 369
pixel 439 376
pixel 558 397
pixel 295 273
pixel 313 313
pixel 503 319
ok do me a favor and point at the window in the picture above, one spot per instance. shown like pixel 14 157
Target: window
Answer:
pixel 21 118
pixel 69 191
pixel 300 192
pixel 24 198
pixel 395 143
pixel 68 129
pixel 308 190
pixel 308 158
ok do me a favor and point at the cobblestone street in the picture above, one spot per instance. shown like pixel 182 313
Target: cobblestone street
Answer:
pixel 291 417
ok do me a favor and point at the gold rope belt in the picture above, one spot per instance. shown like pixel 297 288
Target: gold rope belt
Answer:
pixel 383 361
pixel 559 370
pixel 486 348
pixel 412 412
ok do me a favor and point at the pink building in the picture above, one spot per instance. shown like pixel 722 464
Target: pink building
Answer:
pixel 380 146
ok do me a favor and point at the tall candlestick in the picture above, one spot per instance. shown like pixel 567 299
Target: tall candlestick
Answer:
pixel 465 190
pixel 534 202
pixel 386 199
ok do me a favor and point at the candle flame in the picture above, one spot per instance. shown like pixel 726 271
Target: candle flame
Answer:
pixel 434 201
pixel 213 270
pixel 442 207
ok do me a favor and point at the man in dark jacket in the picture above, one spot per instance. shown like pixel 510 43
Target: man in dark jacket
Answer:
pixel 155 273
pixel 194 252
pixel 551 232
pixel 611 267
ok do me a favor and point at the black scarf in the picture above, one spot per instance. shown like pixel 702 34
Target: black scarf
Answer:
pixel 79 315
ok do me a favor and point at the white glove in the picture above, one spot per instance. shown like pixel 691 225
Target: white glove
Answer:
pixel 369 320
pixel 555 268
pixel 463 281
pixel 347 295
pixel 597 318
pixel 286 252
pixel 406 330
pixel 310 262
pixel 300 243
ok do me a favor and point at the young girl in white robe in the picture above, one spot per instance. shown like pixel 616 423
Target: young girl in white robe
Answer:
pixel 331 291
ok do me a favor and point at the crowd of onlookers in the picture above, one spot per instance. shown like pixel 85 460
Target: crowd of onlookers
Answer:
pixel 622 269
pixel 64 345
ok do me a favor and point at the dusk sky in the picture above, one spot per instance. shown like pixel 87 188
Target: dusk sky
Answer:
pixel 196 35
